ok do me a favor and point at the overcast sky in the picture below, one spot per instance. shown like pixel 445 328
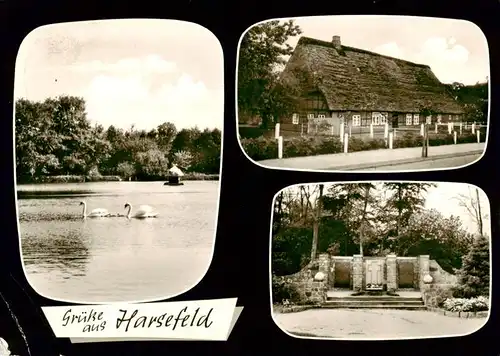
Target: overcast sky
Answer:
pixel 142 72
pixel 443 198
pixel 456 50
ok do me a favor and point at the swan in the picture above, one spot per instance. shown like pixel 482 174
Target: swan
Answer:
pixel 96 213
pixel 144 211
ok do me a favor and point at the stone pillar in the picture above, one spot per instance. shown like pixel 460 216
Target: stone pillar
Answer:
pixel 423 270
pixel 324 266
pixel 332 273
pixel 416 274
pixel 357 272
pixel 392 277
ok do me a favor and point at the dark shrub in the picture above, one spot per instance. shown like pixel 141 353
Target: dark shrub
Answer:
pixel 262 148
pixel 474 276
pixel 282 290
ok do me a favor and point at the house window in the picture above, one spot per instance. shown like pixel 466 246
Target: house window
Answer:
pixel 416 118
pixel 295 119
pixel 356 120
pixel 310 116
pixel 321 116
pixel 428 119
pixel 408 119
pixel 439 118
pixel 450 117
pixel 378 118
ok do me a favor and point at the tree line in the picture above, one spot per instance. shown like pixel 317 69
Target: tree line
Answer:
pixel 55 137
pixel 372 219
pixel 261 93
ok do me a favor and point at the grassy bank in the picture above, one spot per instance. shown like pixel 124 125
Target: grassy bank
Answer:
pixel 81 178
pixel 262 148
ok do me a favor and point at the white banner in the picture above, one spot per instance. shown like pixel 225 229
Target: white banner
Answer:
pixel 189 320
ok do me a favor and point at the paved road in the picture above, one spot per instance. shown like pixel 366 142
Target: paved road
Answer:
pixel 433 164
pixel 375 324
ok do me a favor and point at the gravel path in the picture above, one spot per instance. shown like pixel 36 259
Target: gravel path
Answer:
pixel 375 324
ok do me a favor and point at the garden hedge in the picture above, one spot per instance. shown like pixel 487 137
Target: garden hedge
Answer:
pixel 262 148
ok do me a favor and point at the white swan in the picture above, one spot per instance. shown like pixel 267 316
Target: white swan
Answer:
pixel 96 213
pixel 144 211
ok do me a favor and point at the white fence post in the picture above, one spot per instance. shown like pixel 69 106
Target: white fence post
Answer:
pixel 391 138
pixel 386 130
pixel 436 128
pixel 473 128
pixel 333 130
pixel 371 130
pixel 455 137
pixel 277 130
pixel 461 129
pixel 346 143
pixel 342 129
pixel 350 130
pixel 449 127
pixel 478 133
pixel 421 129
pixel 280 147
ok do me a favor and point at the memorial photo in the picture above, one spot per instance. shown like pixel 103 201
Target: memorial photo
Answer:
pixel 381 260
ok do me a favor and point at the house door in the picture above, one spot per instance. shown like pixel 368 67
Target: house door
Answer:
pixel 374 270
pixel 395 121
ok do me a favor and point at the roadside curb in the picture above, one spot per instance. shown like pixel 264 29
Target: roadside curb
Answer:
pixel 405 161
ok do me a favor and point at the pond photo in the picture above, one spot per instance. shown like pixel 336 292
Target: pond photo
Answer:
pixel 118 156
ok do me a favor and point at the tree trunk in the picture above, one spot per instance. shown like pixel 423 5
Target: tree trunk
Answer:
pixel 314 247
pixel 363 217
pixel 479 214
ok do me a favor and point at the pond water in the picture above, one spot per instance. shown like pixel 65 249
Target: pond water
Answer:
pixel 116 259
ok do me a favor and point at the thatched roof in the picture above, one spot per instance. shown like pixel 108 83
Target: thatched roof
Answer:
pixel 359 80
pixel 175 171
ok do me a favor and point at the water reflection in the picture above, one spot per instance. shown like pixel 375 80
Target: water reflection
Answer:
pixel 118 259
pixel 69 252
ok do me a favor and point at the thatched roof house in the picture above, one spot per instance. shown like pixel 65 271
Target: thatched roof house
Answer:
pixel 335 80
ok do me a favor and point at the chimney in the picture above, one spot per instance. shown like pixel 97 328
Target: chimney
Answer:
pixel 336 41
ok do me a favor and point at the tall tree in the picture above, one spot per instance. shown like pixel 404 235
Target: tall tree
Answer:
pixel 316 221
pixel 472 203
pixel 262 51
pixel 405 200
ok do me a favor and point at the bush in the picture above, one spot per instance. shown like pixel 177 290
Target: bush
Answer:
pixel 200 176
pixel 76 179
pixel 466 304
pixel 262 148
pixel 283 290
pixel 474 276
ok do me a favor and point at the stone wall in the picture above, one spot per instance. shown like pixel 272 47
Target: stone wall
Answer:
pixel 349 272
pixel 441 286
pixel 407 272
pixel 310 291
pixel 341 272
pixel 440 276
